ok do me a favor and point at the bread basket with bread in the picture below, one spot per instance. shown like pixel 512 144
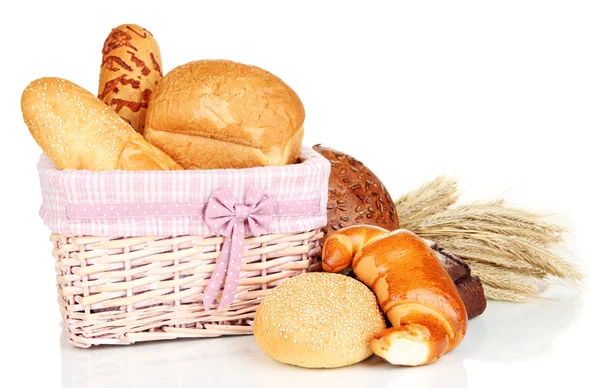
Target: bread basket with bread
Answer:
pixel 176 203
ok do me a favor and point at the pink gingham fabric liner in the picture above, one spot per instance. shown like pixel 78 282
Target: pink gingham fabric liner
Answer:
pixel 66 192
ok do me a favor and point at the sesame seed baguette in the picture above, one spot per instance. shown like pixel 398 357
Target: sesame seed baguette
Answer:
pixel 78 131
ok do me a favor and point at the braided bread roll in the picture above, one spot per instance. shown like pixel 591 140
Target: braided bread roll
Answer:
pixel 414 290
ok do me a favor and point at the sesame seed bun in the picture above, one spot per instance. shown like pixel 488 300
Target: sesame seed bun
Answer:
pixel 318 320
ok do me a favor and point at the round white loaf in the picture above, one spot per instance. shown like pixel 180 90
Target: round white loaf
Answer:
pixel 221 114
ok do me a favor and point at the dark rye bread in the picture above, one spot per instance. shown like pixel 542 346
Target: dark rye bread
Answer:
pixel 469 287
pixel 358 197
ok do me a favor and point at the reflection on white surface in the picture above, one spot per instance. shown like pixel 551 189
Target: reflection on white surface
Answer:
pixel 506 332
pixel 521 332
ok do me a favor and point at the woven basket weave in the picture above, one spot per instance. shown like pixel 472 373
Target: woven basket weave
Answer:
pixel 136 251
pixel 125 290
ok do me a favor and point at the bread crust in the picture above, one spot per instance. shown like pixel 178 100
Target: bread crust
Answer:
pixel 78 131
pixel 356 195
pixel 131 67
pixel 220 104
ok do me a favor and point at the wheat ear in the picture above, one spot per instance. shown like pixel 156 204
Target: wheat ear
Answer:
pixel 511 250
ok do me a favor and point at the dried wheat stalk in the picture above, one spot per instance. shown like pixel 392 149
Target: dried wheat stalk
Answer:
pixel 506 295
pixel 427 200
pixel 510 249
pixel 518 267
pixel 504 279
pixel 515 248
pixel 493 217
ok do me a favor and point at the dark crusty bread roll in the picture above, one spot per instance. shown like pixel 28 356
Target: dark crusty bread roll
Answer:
pixel 472 294
pixel 469 287
pixel 356 195
pixel 131 67
pixel 221 114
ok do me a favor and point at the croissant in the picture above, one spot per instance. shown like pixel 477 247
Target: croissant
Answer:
pixel 417 295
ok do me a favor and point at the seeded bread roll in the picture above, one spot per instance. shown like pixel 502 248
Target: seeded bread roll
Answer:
pixel 222 114
pixel 318 320
pixel 131 67
pixel 356 195
pixel 76 130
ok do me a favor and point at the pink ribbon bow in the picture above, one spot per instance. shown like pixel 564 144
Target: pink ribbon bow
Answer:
pixel 231 220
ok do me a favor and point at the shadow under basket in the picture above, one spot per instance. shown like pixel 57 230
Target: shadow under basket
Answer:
pixel 117 291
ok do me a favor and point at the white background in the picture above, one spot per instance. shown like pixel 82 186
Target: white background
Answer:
pixel 503 95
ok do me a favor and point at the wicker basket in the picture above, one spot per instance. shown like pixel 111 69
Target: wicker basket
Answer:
pixel 121 290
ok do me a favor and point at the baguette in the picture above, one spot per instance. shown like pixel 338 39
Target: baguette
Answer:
pixel 78 131
pixel 414 290
pixel 131 67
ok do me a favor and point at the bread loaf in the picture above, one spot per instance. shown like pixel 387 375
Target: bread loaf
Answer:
pixel 473 296
pixel 78 131
pixel 131 67
pixel 356 195
pixel 222 114
pixel 469 287
pixel 418 296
